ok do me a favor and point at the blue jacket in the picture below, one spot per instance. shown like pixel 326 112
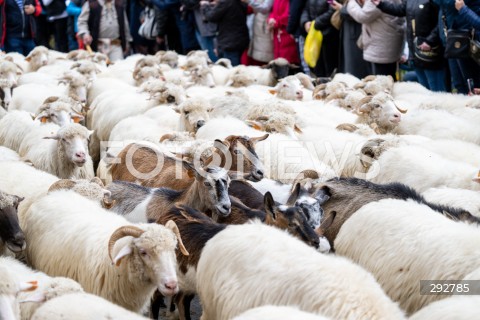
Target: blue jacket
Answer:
pixel 472 18
pixel 14 22
pixel 74 11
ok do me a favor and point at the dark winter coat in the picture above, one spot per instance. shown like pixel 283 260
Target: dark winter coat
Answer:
pixel 294 27
pixel 16 23
pixel 231 19
pixel 321 12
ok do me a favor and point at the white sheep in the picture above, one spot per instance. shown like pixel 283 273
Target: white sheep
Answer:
pixel 48 288
pixel 79 306
pixel 458 198
pixel 37 58
pixel 457 307
pixel 383 237
pixel 64 154
pixel 14 126
pixel 7 154
pixel 60 110
pixel 9 73
pixel 143 255
pixel 317 283
pixel 422 169
pixel 277 313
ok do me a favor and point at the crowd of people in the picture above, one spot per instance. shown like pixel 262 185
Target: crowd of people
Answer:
pixel 360 37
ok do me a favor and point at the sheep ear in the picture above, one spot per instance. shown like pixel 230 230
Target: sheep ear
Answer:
pixel 42 116
pixel 125 251
pixel 255 124
pixel 366 108
pixel 38 297
pixel 269 204
pixel 297 129
pixel 28 58
pixel 77 118
pixel 272 91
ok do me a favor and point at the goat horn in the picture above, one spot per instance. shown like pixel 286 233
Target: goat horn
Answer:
pixel 51 99
pixel 121 233
pixel 305 174
pixel 401 110
pixel 173 226
pixel 363 101
pixel 62 184
pixel 168 136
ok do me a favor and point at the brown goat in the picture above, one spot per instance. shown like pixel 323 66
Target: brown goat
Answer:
pixel 342 197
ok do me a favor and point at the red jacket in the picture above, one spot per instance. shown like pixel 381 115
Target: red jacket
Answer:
pixel 284 45
pixel 14 21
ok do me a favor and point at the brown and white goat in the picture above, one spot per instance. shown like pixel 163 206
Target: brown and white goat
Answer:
pixel 208 192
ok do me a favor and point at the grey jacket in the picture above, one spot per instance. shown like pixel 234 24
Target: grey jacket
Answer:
pixel 261 43
pixel 382 34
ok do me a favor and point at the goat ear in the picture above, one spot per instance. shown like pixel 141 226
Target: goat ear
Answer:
pixel 125 251
pixel 328 221
pixel 294 195
pixel 219 144
pixel 269 204
pixel 323 194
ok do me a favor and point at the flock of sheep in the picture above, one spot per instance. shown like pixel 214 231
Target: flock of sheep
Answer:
pixel 128 186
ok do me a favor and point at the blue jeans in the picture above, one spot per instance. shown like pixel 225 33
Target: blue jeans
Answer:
pixel 431 79
pixel 233 56
pixel 461 70
pixel 206 43
pixel 22 46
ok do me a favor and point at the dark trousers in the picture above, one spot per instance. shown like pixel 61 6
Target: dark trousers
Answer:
pixel 60 34
pixel 461 70
pixel 233 56
pixel 20 45
pixel 385 69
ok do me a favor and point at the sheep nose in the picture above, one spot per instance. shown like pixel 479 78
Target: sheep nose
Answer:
pixel 80 155
pixel 259 173
pixel 200 123
pixel 171 285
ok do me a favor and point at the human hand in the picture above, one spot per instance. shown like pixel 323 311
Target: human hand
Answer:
pixel 335 5
pixel 160 39
pixel 459 4
pixel 425 47
pixel 271 22
pixel 376 2
pixel 29 9
pixel 307 25
pixel 204 3
pixel 403 59
pixel 87 38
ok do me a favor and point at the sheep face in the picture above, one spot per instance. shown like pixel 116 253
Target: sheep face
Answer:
pixel 193 114
pixel 292 219
pixel 152 255
pixel 146 74
pixel 169 57
pixel 202 76
pixel 73 143
pixel 244 159
pixel 77 85
pixel 279 123
pixel 38 58
pixel 10 231
pixel 289 88
pixel 279 68
pixel 87 68
pixel 58 112
pixel 382 110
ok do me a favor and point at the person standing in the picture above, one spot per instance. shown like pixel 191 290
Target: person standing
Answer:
pixel 382 36
pixel 321 12
pixel 422 32
pixel 284 45
pixel 57 18
pixel 231 19
pixel 17 25
pixel 103 24
pixel 261 44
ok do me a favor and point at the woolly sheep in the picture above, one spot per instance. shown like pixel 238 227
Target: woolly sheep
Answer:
pixel 277 313
pixel 48 287
pixel 375 84
pixel 457 307
pixel 460 198
pixel 320 284
pixel 8 79
pixel 14 126
pixel 92 189
pixel 168 57
pixel 80 306
pixel 64 154
pixel 59 110
pixel 143 253
pixel 7 154
pixel 37 58
pixel 398 224
pixel 422 169
pixel 86 68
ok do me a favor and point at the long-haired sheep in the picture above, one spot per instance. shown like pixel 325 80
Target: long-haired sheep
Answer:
pixel 59 110
pixel 65 154
pixel 7 154
pixel 144 254
pixel 83 306
pixel 425 246
pixel 320 284
pixel 92 189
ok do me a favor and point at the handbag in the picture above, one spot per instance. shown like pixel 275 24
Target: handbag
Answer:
pixel 148 29
pixel 336 20
pixel 431 56
pixel 313 45
pixel 457 43
pixel 475 50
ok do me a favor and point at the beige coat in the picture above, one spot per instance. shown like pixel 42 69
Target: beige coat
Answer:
pixel 261 43
pixel 382 34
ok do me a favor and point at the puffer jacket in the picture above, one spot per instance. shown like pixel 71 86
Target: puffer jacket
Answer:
pixel 424 15
pixel 382 34
pixel 15 22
